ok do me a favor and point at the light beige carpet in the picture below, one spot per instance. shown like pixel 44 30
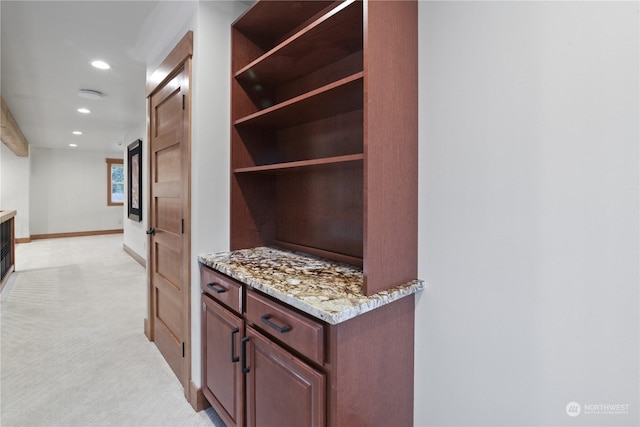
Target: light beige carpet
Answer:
pixel 73 351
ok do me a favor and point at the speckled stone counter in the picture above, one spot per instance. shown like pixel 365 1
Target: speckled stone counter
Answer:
pixel 327 290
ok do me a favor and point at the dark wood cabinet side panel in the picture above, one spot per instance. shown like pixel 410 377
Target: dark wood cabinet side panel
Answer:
pixel 243 50
pixel 391 144
pixel 252 147
pixel 261 97
pixel 370 368
pixel 244 103
pixel 321 210
pixel 252 211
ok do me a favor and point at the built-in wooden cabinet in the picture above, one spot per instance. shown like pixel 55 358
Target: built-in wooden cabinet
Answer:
pixel 282 387
pixel 265 363
pixel 324 133
pixel 324 160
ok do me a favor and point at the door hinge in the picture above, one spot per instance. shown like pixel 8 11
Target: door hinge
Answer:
pixel 182 226
pixel 182 349
pixel 184 97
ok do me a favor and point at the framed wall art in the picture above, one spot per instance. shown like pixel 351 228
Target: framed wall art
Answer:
pixel 134 169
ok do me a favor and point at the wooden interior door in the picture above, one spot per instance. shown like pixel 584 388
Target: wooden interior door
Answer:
pixel 169 213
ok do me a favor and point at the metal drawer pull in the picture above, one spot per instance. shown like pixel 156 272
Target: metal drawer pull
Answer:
pixel 234 358
pixel 217 288
pixel 243 355
pixel 281 329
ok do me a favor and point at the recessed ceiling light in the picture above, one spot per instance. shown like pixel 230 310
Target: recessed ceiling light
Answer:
pixel 90 94
pixel 84 110
pixel 73 145
pixel 101 65
pixel 77 132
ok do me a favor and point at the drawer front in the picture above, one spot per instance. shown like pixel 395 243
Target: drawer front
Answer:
pixel 221 288
pixel 285 325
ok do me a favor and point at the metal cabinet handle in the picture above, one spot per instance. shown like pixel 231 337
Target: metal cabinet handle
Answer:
pixel 234 358
pixel 151 231
pixel 282 329
pixel 216 287
pixel 243 355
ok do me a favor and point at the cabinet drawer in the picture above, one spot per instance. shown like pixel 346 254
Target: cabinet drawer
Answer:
pixel 285 325
pixel 221 288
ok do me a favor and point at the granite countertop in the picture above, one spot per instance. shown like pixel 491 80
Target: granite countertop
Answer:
pixel 327 290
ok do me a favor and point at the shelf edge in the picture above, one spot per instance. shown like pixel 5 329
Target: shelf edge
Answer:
pixel 306 96
pixel 301 164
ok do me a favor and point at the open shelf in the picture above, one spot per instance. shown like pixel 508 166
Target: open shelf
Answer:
pixel 300 132
pixel 334 36
pixel 326 163
pixel 267 22
pixel 336 98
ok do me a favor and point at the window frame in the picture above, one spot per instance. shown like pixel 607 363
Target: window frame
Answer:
pixel 110 164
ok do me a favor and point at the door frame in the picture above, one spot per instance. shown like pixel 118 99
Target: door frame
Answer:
pixel 180 57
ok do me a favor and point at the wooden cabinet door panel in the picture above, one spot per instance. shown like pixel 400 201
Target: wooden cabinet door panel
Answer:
pixel 281 389
pixel 222 379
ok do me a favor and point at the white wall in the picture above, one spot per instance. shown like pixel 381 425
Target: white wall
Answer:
pixel 164 28
pixel 14 188
pixel 529 213
pixel 69 191
pixel 210 147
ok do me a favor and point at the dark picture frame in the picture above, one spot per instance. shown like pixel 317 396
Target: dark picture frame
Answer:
pixel 134 182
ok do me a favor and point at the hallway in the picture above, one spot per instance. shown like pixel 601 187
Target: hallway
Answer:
pixel 73 351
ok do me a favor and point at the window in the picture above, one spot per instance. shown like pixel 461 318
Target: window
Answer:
pixel 115 182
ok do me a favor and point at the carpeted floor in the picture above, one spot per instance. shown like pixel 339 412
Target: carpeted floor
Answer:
pixel 73 351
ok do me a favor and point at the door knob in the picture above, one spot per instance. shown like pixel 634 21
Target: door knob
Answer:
pixel 151 231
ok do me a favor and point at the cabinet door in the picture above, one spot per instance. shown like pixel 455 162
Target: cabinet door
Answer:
pixel 222 379
pixel 281 389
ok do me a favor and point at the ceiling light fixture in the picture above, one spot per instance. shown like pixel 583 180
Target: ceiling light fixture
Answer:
pixel 84 110
pixel 101 65
pixel 77 132
pixel 73 145
pixel 90 94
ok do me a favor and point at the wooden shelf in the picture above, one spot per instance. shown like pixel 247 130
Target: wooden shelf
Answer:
pixel 336 98
pixel 266 22
pixel 334 36
pixel 326 163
